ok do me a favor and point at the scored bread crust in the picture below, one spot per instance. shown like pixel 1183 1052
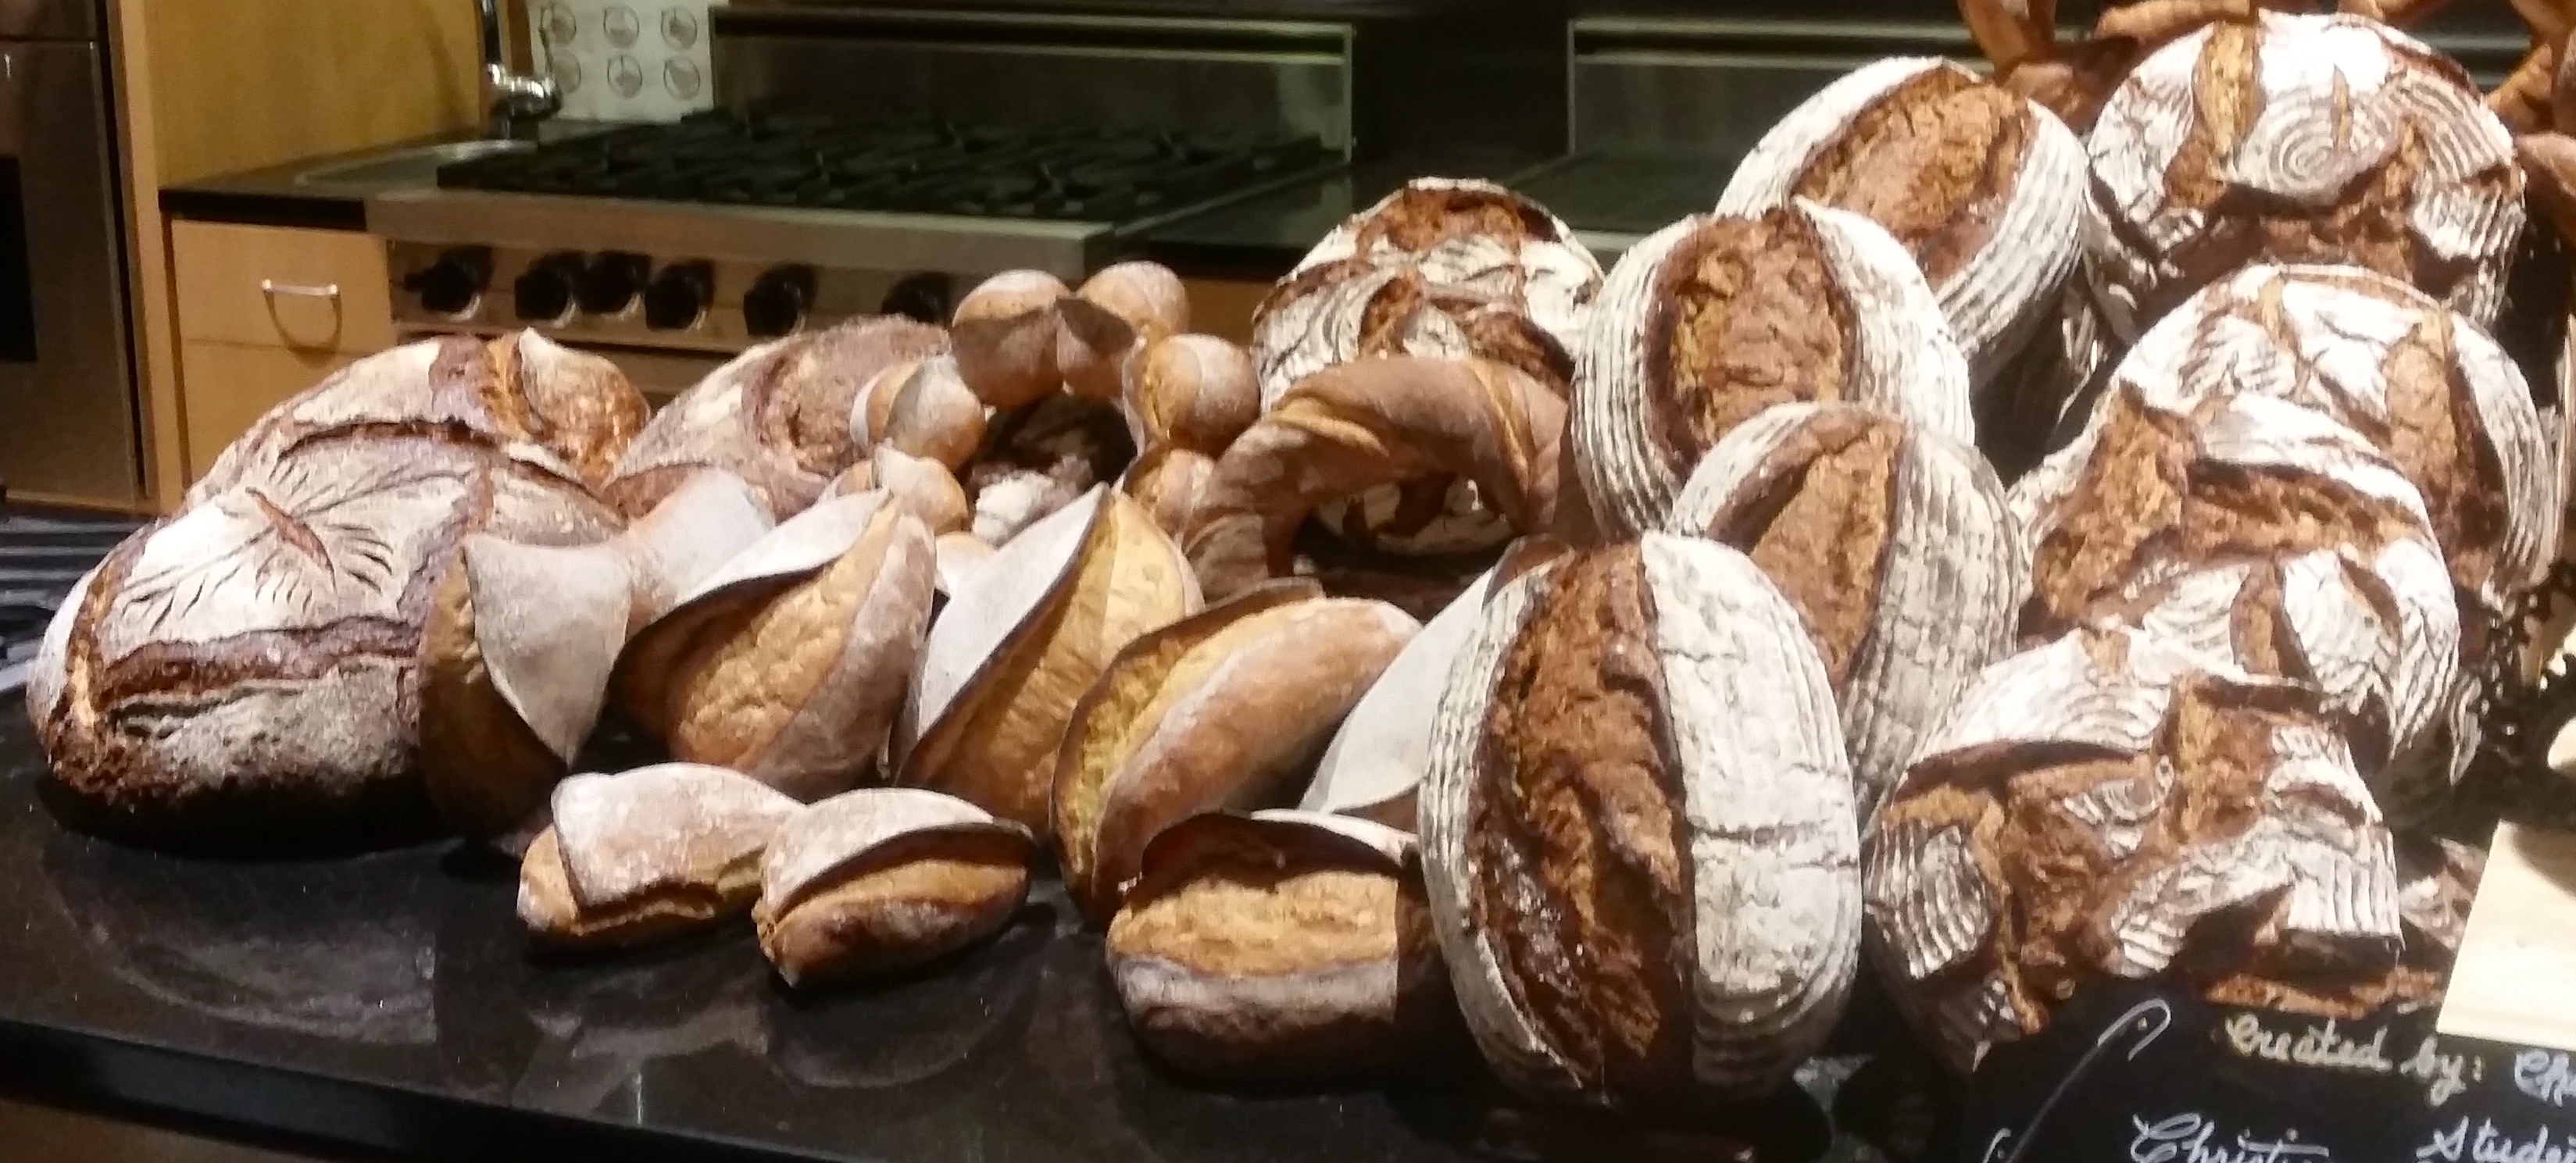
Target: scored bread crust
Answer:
pixel 247 671
pixel 1895 547
pixel 1654 396
pixel 1756 885
pixel 1983 186
pixel 2106 806
pixel 2298 138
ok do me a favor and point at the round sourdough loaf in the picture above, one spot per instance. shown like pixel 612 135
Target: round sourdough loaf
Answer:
pixel 778 416
pixel 1895 548
pixel 1638 831
pixel 1712 319
pixel 2107 807
pixel 248 671
pixel 2298 138
pixel 1982 186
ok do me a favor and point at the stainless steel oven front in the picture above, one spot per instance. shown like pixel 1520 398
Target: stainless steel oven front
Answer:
pixel 67 384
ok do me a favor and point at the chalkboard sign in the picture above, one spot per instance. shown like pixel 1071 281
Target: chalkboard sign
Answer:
pixel 2137 1074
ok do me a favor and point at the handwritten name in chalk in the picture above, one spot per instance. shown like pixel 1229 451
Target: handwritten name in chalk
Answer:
pixel 2193 1138
pixel 2445 1076
pixel 2322 1046
pixel 2483 1143
pixel 2544 1075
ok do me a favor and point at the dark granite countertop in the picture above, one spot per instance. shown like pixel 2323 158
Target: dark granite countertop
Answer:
pixel 390 1002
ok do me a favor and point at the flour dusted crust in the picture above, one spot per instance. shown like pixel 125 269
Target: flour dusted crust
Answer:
pixel 648 854
pixel 882 879
pixel 2106 807
pixel 1224 709
pixel 248 670
pixel 1382 750
pixel 1638 830
pixel 1895 548
pixel 788 663
pixel 1464 243
pixel 1707 322
pixel 2423 384
pixel 1372 422
pixel 778 416
pixel 2298 138
pixel 1195 392
pixel 1023 635
pixel 1983 186
pixel 1278 945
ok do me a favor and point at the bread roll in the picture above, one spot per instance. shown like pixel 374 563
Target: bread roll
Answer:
pixel 1022 637
pixel 1707 322
pixel 1169 482
pixel 918 483
pixel 1006 334
pixel 932 415
pixel 788 664
pixel 778 416
pixel 1895 548
pixel 1190 391
pixel 1368 423
pixel 883 879
pixel 1224 709
pixel 1114 313
pixel 1983 186
pixel 246 671
pixel 1278 946
pixel 516 658
pixel 2298 138
pixel 647 855
pixel 2106 807
pixel 1638 831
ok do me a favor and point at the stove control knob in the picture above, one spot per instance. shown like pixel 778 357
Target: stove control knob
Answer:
pixel 451 284
pixel 611 280
pixel 678 296
pixel 776 303
pixel 544 292
pixel 927 297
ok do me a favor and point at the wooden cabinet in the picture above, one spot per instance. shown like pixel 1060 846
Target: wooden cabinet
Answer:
pixel 263 312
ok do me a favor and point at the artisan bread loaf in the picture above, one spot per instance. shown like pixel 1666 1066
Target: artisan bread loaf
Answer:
pixel 2107 807
pixel 1023 635
pixel 248 670
pixel 2423 384
pixel 1106 320
pixel 1372 422
pixel 2301 139
pixel 883 879
pixel 1638 831
pixel 1007 330
pixel 788 663
pixel 1982 186
pixel 778 416
pixel 1279 946
pixel 1190 391
pixel 647 854
pixel 1707 322
pixel 1224 709
pixel 1894 546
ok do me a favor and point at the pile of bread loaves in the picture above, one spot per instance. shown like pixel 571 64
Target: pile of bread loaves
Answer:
pixel 1641 653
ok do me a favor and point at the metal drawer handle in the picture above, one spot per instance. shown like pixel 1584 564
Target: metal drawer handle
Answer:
pixel 273 288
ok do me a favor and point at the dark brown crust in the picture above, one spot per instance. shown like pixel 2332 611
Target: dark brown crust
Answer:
pixel 1746 315
pixel 1576 836
pixel 1934 160
pixel 1419 219
pixel 1821 525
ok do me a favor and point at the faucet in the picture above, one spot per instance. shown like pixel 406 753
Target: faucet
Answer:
pixel 513 103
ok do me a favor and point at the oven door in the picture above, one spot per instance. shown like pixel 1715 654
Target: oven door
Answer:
pixel 67 399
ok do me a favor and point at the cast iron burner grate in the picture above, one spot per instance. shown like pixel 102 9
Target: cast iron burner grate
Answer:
pixel 921 167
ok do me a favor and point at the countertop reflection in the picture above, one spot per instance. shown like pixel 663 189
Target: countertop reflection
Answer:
pixel 398 986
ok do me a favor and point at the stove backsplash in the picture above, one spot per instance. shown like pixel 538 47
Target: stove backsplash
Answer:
pixel 1379 82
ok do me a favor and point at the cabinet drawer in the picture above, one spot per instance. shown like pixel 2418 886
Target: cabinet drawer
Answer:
pixel 223 387
pixel 313 290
